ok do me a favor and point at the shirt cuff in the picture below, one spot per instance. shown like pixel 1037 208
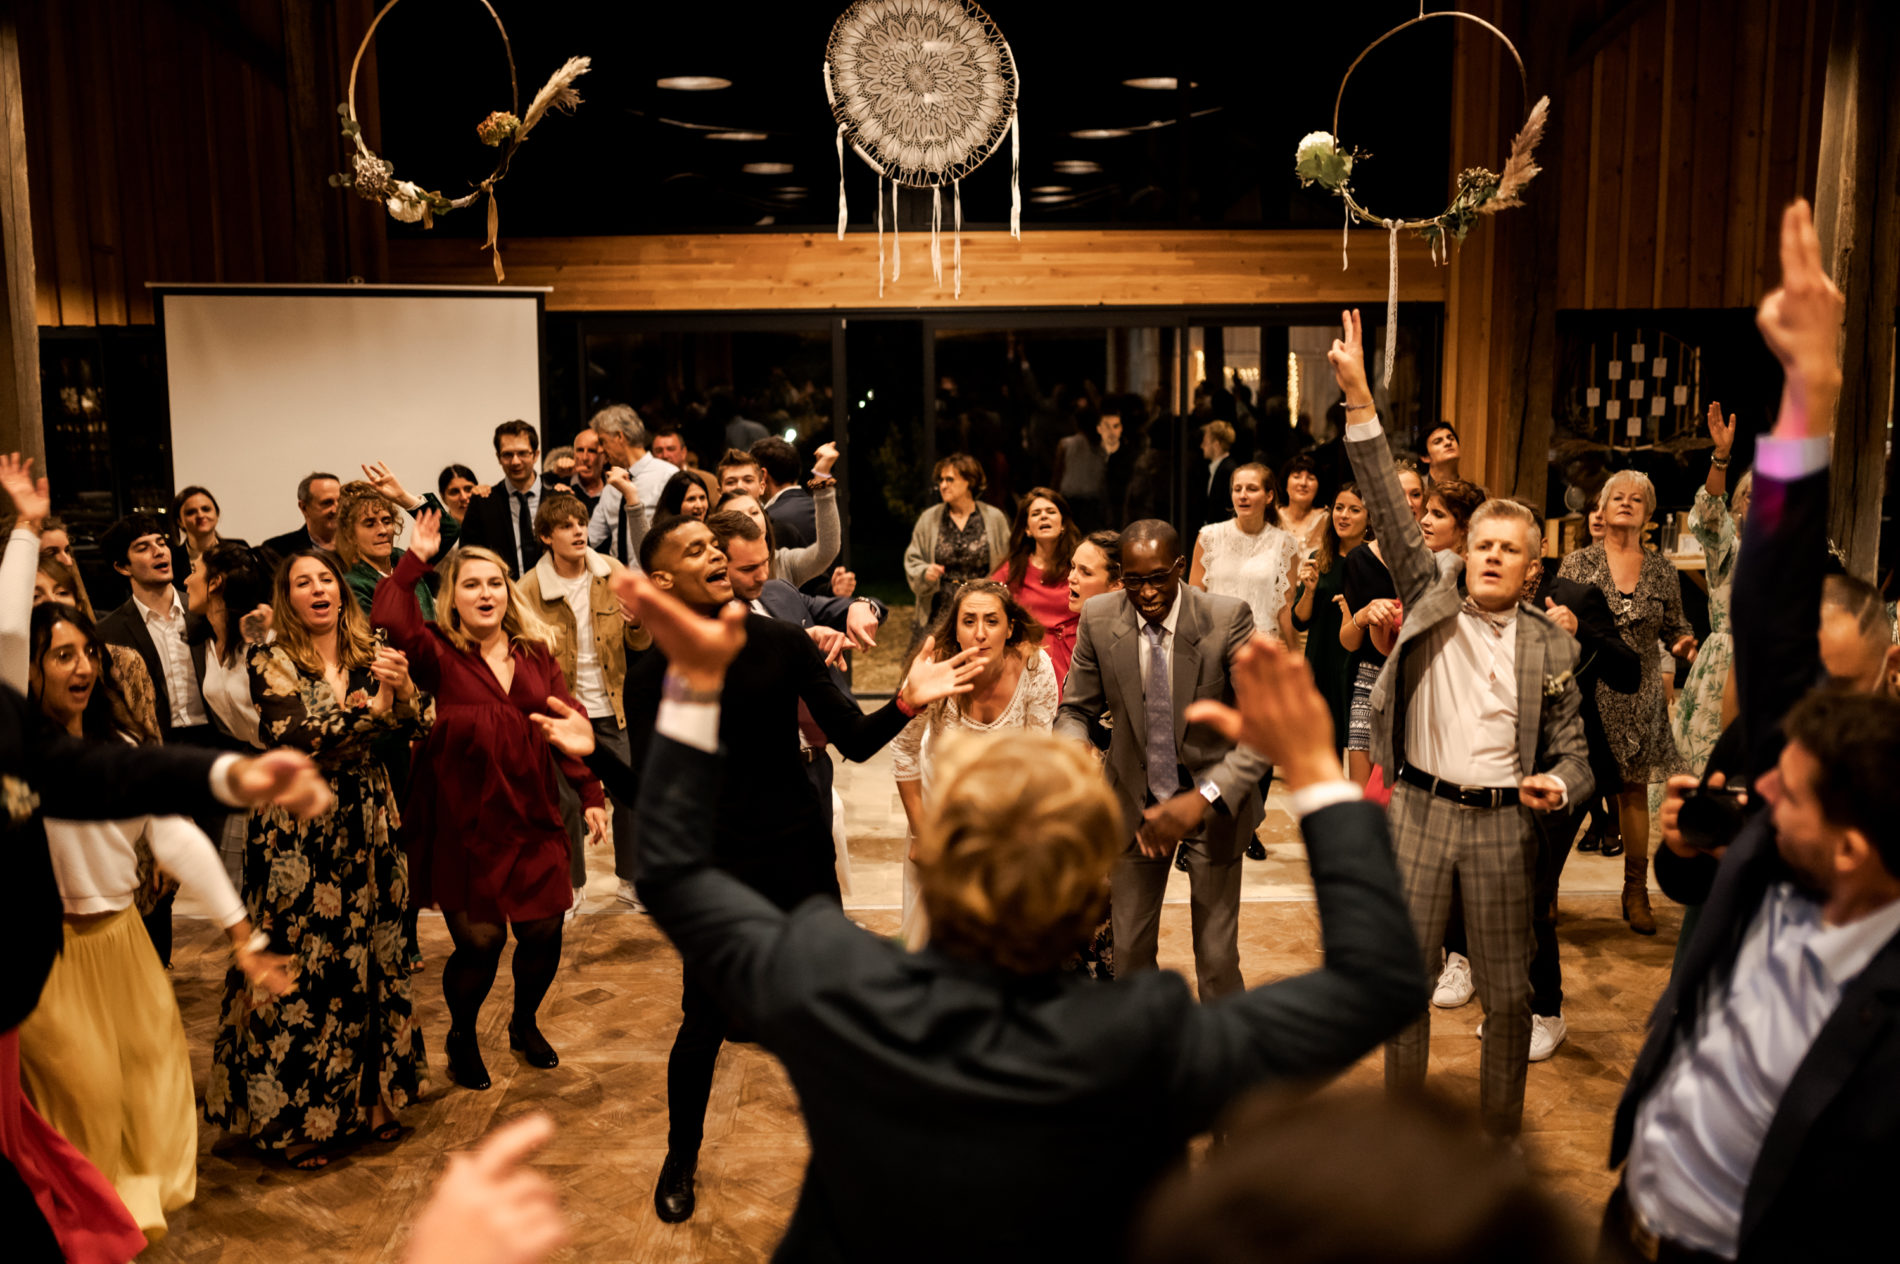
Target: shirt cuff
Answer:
pixel 1309 799
pixel 1209 791
pixel 1789 459
pixel 1364 430
pixel 694 724
pixel 224 781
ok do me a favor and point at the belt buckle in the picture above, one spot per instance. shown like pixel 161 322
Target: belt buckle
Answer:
pixel 1486 796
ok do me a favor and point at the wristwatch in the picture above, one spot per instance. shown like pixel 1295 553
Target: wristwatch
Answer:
pixel 674 688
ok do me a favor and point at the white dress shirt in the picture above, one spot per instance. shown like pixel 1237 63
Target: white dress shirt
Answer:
pixel 174 659
pixel 1699 1132
pixel 649 476
pixel 534 492
pixel 1461 725
pixel 590 689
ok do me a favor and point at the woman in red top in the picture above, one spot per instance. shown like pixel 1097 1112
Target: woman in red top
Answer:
pixel 485 838
pixel 1041 543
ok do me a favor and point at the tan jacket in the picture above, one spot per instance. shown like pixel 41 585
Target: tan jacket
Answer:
pixel 613 635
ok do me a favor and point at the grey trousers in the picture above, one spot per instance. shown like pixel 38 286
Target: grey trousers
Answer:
pixel 1493 852
pixel 608 736
pixel 1138 883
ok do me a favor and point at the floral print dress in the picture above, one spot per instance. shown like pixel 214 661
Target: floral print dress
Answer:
pixel 309 1067
pixel 1637 724
pixel 1698 718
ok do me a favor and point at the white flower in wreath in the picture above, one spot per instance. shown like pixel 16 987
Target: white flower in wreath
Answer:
pixel 1319 159
pixel 405 202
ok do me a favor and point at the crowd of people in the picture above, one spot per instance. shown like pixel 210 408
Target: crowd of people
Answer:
pixel 606 644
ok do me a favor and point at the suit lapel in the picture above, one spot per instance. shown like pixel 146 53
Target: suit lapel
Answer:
pixel 148 650
pixel 1530 690
pixel 1188 630
pixel 1125 661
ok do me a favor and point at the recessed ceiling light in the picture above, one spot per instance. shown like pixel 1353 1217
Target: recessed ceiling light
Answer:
pixel 1100 133
pixel 1047 198
pixel 693 83
pixel 1052 188
pixel 1077 167
pixel 735 135
pixel 767 168
pixel 790 192
pixel 1158 83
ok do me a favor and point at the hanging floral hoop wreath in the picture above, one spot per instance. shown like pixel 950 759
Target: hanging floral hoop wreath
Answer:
pixel 374 178
pixel 1320 160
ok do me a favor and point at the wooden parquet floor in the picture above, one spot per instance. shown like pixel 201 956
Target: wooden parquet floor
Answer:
pixel 612 1014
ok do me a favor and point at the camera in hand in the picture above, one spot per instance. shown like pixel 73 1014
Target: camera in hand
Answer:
pixel 1712 816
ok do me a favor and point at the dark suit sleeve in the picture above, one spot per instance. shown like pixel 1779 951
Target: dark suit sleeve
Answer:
pixel 1371 984
pixel 831 612
pixel 78 779
pixel 1685 879
pixel 856 735
pixel 1775 604
pixel 1613 661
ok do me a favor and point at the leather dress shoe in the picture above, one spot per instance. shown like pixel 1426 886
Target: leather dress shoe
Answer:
pixel 1256 850
pixel 526 1039
pixel 1180 859
pixel 465 1061
pixel 673 1196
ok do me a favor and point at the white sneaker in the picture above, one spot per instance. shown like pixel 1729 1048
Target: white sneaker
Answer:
pixel 580 893
pixel 1454 983
pixel 1546 1035
pixel 629 897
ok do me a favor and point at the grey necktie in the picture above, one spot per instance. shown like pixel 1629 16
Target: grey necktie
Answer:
pixel 1164 770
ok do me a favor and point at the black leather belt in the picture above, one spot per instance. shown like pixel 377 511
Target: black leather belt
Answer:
pixel 811 754
pixel 1633 1241
pixel 1463 796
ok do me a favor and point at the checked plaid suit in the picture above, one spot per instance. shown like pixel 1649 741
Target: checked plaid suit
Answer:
pixel 1491 851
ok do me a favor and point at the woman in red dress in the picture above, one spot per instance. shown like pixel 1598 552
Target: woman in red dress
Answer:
pixel 1041 543
pixel 485 838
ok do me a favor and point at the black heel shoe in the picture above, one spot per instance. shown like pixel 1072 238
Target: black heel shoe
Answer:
pixel 1613 847
pixel 526 1039
pixel 465 1061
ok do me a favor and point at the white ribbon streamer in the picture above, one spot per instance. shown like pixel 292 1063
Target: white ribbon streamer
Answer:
pixel 1392 307
pixel 956 201
pixel 880 236
pixel 1015 175
pixel 897 256
pixel 936 234
pixel 842 214
pixel 1345 235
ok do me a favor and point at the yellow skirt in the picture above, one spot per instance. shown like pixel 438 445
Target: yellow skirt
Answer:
pixel 103 1058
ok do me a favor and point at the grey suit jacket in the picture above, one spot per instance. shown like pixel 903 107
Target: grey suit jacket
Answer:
pixel 1106 676
pixel 1549 720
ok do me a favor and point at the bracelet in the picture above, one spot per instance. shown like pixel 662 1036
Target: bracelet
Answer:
pixel 904 708
pixel 674 688
pixel 1351 408
pixel 1719 462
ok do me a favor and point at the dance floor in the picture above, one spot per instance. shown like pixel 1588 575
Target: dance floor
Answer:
pixel 614 1007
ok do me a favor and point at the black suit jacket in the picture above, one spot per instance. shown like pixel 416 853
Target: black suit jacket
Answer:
pixel 279 547
pixel 795 515
pixel 1605 656
pixel 796 606
pixel 769 826
pixel 126 626
pixel 489 523
pixel 1048 1103
pixel 1205 504
pixel 1832 1142
pixel 69 778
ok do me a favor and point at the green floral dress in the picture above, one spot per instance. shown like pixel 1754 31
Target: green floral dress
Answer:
pixel 331 892
pixel 1698 718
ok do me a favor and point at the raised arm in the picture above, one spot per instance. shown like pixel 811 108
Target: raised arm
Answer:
pixel 1400 542
pixel 804 564
pixel 394 609
pixel 31 504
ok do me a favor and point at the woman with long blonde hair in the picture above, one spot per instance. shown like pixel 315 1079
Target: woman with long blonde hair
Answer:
pixel 483 819
pixel 336 1061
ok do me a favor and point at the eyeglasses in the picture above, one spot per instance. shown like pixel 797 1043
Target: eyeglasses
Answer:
pixel 1155 580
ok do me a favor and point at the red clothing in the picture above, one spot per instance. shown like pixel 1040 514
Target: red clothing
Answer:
pixel 1049 603
pixel 483 822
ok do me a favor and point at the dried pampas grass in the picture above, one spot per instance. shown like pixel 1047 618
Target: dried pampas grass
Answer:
pixel 1521 166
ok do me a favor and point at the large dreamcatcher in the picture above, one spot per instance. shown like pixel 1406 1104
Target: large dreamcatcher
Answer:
pixel 924 91
pixel 1321 160
pixel 374 178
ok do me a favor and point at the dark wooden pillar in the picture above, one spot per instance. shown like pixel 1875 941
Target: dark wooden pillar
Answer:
pixel 19 324
pixel 1857 212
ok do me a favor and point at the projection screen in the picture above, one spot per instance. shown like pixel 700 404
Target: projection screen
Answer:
pixel 270 383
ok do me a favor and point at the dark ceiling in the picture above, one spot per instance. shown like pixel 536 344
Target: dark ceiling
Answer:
pixel 1265 74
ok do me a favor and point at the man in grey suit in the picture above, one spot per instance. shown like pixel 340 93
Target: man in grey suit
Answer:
pixel 1143 654
pixel 1475 724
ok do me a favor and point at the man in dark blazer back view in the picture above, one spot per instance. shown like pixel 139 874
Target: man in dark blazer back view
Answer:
pixel 1178 783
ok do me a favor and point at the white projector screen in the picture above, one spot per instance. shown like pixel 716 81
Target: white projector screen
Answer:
pixel 271 385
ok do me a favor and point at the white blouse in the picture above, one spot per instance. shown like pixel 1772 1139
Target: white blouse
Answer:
pixel 1032 706
pixel 227 691
pixel 1259 568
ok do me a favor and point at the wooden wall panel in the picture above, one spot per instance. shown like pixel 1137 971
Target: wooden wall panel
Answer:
pixel 781 271
pixel 1675 195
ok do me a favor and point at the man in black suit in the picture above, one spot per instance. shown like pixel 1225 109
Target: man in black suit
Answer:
pixel 503 520
pixel 774 831
pixel 1760 1122
pixel 784 500
pixel 1047 1102
pixel 1210 496
pixel 317 496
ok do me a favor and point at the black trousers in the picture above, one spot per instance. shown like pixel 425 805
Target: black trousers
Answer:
pixel 158 922
pixel 703 1024
pixel 1556 832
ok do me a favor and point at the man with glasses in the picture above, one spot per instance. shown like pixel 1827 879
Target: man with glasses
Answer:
pixel 1143 654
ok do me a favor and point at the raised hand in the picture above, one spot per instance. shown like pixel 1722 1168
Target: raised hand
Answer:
pixel 860 624
pixel 1722 432
pixel 823 459
pixel 1309 573
pixel 567 730
pixel 391 667
pixel 1348 358
pixel 1800 320
pixel 844 583
pixel 286 778
pixel 1280 714
pixel 490 1207
pixel 378 476
pixel 697 649
pixel 621 480
pixel 1380 612
pixel 1562 616
pixel 255 626
pixel 31 501
pixel 425 541
pixel 930 681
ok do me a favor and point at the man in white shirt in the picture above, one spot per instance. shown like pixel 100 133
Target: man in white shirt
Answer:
pixel 1476 723
pixel 618 520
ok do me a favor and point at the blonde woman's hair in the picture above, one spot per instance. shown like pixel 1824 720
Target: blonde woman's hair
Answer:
pixel 520 622
pixel 1015 848
pixel 356 497
pixel 355 643
pixel 1634 477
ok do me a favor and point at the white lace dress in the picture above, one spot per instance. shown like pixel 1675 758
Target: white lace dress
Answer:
pixel 1257 568
pixel 1032 706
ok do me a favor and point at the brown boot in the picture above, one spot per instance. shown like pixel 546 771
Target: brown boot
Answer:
pixel 1636 894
